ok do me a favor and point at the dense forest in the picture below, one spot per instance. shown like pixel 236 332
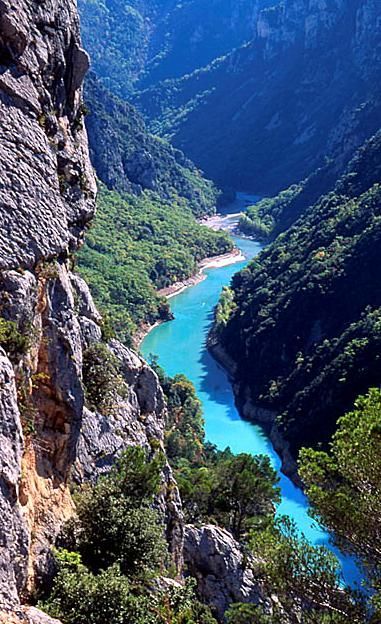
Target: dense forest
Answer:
pixel 303 320
pixel 138 245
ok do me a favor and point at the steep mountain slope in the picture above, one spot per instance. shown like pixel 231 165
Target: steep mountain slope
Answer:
pixel 306 86
pixel 128 158
pixel 146 40
pixel 50 330
pixel 303 328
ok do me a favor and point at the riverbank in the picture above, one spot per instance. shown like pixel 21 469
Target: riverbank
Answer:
pixel 227 222
pixel 214 262
pixel 252 413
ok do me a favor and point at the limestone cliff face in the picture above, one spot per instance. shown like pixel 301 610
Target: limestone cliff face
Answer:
pixel 47 187
pixel 48 437
pixel 224 572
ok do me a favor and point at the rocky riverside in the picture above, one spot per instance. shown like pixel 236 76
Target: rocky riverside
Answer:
pixel 51 437
pixel 249 411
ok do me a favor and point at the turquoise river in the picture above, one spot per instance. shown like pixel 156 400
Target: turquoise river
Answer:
pixel 180 346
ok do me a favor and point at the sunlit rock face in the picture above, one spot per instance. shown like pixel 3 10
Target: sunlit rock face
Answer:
pixel 48 437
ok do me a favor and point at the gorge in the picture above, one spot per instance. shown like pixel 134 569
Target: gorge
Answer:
pixel 131 491
pixel 181 347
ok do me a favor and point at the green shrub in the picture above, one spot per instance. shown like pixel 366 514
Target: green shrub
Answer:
pixel 81 597
pixel 116 521
pixel 12 340
pixel 102 378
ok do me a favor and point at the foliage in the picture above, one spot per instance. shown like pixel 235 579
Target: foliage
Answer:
pixel 119 549
pixel 254 225
pixel 116 522
pixel 310 305
pixel 102 378
pixel 225 307
pixel 81 597
pixel 272 215
pixel 344 485
pixel 138 245
pixel 12 340
pixel 179 605
pixel 235 491
pixel 185 425
pixel 242 613
pixel 306 579
pixel 184 436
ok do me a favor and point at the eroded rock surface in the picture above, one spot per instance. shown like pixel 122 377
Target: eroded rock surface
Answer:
pixel 224 573
pixel 48 435
pixel 47 184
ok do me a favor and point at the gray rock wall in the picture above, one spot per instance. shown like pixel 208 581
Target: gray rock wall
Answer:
pixel 48 436
pixel 224 573
pixel 47 185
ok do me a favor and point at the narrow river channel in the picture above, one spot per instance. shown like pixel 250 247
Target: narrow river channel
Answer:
pixel 180 346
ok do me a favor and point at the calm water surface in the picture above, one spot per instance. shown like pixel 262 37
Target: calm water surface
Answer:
pixel 180 347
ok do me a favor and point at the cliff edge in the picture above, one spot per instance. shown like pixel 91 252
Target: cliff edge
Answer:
pixel 50 434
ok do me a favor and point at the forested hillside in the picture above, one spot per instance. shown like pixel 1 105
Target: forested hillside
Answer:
pixel 142 41
pixel 138 245
pixel 304 325
pixel 145 235
pixel 306 86
pixel 128 158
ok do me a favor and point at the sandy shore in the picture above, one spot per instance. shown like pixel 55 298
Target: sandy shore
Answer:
pixel 215 262
pixel 217 222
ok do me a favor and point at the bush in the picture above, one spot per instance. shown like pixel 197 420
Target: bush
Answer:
pixel 12 340
pixel 116 522
pixel 81 597
pixel 102 378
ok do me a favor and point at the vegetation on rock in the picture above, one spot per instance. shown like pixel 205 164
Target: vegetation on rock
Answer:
pixel 14 342
pixel 118 549
pixel 102 378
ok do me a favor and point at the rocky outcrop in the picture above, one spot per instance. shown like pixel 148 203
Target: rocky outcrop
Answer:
pixel 224 572
pixel 13 534
pixel 48 188
pixel 48 434
pixel 47 195
pixel 26 615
